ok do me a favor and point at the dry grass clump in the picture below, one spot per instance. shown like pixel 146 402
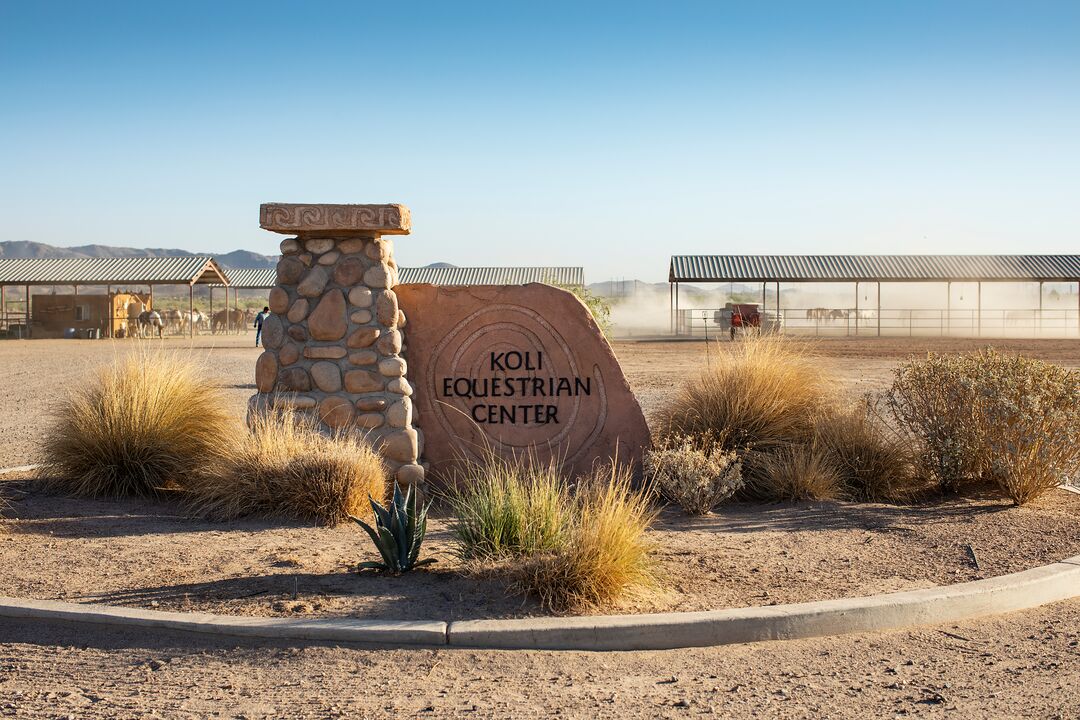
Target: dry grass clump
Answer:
pixel 796 472
pixel 147 424
pixel 572 550
pixel 606 553
pixel 508 507
pixel 761 393
pixel 991 417
pixel 287 468
pixel 875 464
pixel 697 476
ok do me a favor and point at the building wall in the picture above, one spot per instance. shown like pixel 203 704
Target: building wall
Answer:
pixel 51 315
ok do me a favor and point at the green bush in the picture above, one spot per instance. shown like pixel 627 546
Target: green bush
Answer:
pixel 508 507
pixel 598 306
pixel 990 417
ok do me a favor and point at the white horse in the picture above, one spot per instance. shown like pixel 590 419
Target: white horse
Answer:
pixel 196 320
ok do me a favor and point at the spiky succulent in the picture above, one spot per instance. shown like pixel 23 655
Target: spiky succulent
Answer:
pixel 398 533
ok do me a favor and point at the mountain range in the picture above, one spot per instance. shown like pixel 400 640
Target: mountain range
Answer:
pixel 24 249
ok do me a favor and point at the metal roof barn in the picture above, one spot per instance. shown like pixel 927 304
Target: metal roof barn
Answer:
pixel 873 268
pixel 188 270
pixel 494 275
pixel 266 278
pixel 878 269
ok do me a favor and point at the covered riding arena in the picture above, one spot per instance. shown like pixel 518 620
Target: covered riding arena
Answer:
pixel 883 295
pixel 118 287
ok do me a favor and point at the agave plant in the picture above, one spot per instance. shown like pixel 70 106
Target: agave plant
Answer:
pixel 398 533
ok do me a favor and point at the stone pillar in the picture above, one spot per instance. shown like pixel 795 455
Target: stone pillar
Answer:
pixel 333 342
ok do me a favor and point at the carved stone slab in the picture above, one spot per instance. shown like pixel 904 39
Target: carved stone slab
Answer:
pixel 517 368
pixel 335 220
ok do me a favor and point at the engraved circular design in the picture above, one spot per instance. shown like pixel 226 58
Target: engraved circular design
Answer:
pixel 465 352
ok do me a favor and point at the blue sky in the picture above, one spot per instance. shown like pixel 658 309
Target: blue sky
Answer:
pixel 609 135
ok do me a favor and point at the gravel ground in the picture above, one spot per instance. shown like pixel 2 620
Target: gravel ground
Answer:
pixel 1020 665
pixel 150 555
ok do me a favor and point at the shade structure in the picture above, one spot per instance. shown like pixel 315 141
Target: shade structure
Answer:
pixel 870 268
pixel 187 270
pixel 266 278
pixel 857 316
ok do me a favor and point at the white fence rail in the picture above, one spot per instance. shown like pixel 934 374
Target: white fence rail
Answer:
pixel 825 322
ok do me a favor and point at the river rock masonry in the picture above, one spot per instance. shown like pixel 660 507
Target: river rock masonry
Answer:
pixel 333 341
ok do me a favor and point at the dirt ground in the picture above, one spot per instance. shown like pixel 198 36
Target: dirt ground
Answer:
pixel 1021 665
pixel 150 555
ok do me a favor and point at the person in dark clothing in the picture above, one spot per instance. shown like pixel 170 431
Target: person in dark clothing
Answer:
pixel 259 320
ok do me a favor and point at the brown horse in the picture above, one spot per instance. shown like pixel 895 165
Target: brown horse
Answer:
pixel 228 319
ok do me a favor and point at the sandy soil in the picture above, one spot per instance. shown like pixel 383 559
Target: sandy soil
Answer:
pixel 150 555
pixel 1019 665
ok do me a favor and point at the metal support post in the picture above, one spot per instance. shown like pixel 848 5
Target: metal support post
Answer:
pixel 879 308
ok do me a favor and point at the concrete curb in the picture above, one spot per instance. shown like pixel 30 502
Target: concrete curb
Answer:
pixel 384 632
pixel 1019 591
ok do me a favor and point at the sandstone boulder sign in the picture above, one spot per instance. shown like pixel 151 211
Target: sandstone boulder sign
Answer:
pixel 517 368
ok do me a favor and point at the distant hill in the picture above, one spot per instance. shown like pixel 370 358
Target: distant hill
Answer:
pixel 234 259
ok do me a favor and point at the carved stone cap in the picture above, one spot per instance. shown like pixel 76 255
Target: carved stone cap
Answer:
pixel 304 219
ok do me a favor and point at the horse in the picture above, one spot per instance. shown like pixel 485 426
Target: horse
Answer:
pixel 149 320
pixel 230 319
pixel 174 321
pixel 195 320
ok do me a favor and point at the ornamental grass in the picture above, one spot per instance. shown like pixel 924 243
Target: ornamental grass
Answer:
pixel 874 462
pixel 605 556
pixel 508 507
pixel 760 393
pixel 799 471
pixel 146 425
pixel 286 468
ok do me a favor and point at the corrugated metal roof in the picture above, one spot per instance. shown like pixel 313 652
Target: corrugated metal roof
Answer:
pixel 110 271
pixel 493 275
pixel 253 278
pixel 849 268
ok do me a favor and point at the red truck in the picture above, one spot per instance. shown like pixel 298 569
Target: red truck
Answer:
pixel 745 316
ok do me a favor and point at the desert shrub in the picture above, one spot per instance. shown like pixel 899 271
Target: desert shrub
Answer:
pixel 1029 414
pixel 599 306
pixel 761 393
pixel 989 416
pixel 933 402
pixel 695 474
pixel 508 507
pixel 875 464
pixel 799 471
pixel 148 423
pixel 287 468
pixel 606 553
